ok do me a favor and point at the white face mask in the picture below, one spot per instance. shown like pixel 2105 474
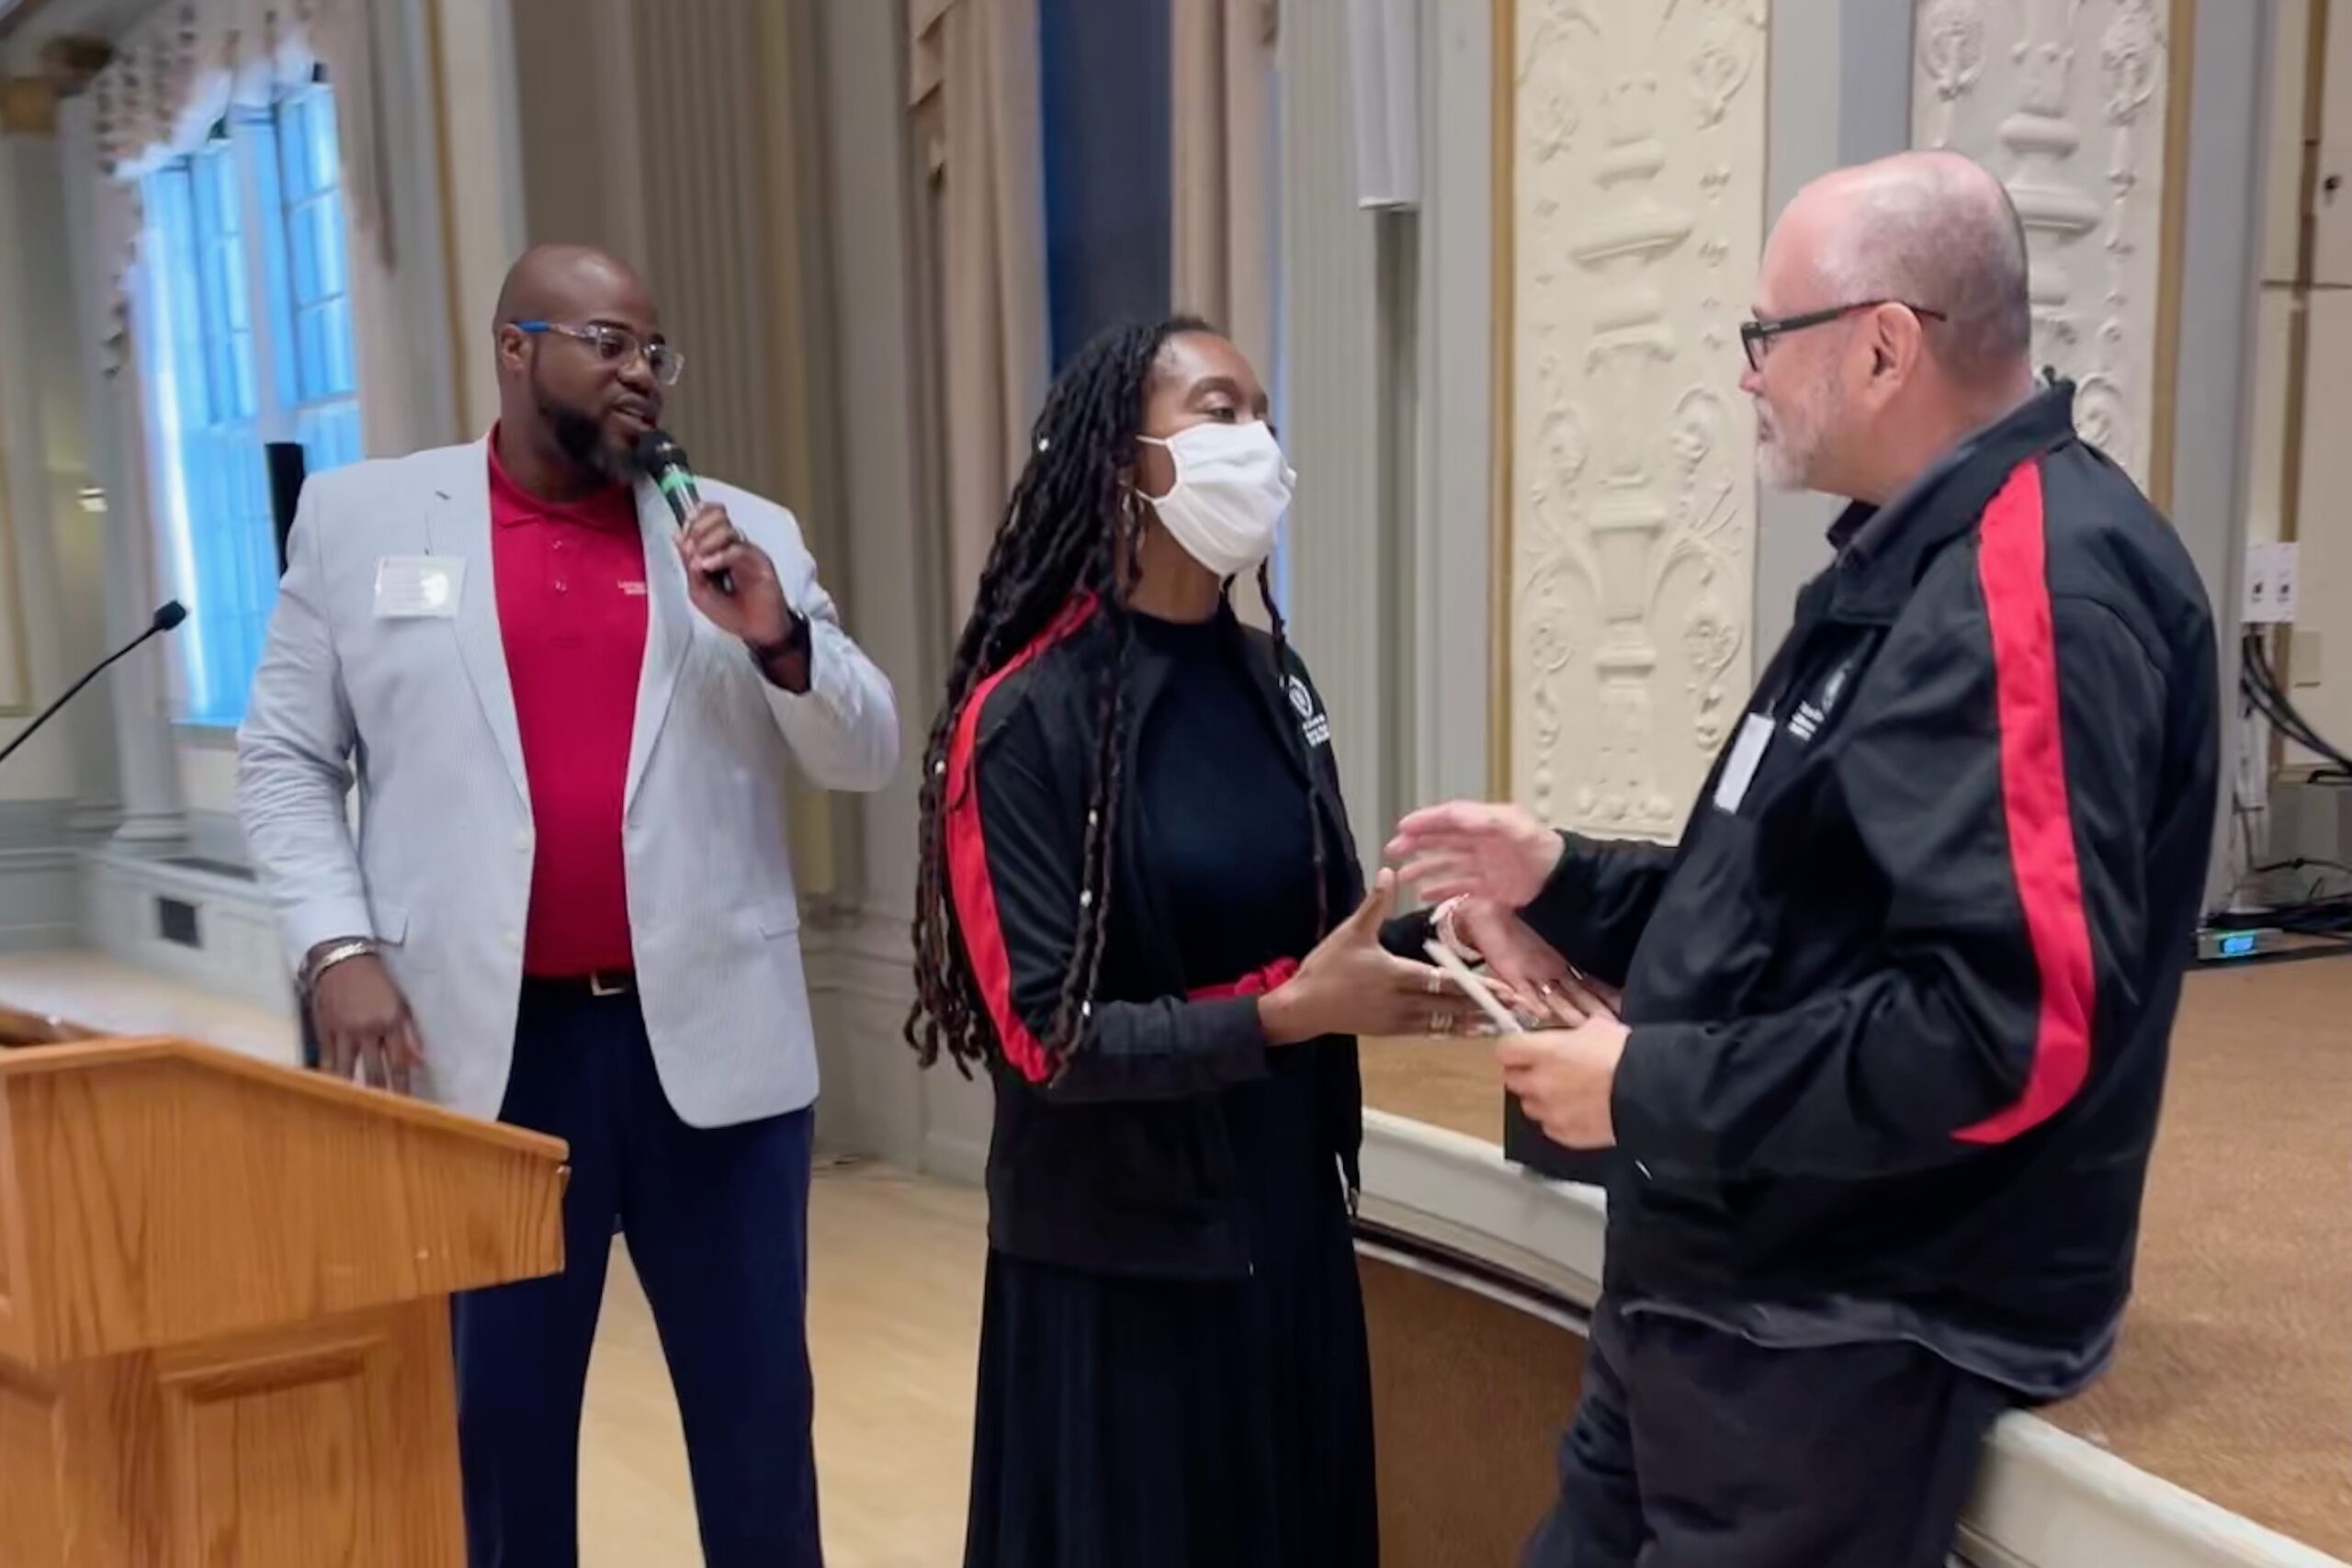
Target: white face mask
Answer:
pixel 1232 488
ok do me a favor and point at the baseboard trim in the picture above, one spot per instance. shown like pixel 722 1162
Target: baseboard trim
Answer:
pixel 951 1158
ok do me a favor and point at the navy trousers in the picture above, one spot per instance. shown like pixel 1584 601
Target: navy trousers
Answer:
pixel 716 1221
pixel 1696 1449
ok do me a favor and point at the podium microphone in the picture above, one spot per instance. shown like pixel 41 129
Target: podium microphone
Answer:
pixel 663 461
pixel 170 615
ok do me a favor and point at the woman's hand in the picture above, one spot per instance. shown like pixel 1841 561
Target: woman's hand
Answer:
pixel 1351 985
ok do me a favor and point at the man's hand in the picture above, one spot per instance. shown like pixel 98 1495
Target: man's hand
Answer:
pixel 756 612
pixel 364 1024
pixel 1542 985
pixel 1351 985
pixel 1502 852
pixel 1563 1078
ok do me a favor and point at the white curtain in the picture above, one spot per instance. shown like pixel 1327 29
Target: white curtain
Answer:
pixel 1221 69
pixel 974 96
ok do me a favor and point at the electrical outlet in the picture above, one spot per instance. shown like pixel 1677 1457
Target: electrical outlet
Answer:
pixel 2303 658
pixel 2269 584
pixel 2255 610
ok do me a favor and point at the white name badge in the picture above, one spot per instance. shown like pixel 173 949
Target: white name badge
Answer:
pixel 413 588
pixel 1746 752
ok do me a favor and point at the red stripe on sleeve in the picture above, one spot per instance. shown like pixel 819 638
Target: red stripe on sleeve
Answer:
pixel 2011 565
pixel 967 859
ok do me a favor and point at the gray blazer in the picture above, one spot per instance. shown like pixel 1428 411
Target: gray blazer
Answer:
pixel 439 869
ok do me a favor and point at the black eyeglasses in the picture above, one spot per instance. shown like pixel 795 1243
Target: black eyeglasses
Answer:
pixel 1755 336
pixel 613 344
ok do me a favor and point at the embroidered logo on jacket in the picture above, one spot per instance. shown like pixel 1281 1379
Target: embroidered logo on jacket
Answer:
pixel 1807 722
pixel 1314 726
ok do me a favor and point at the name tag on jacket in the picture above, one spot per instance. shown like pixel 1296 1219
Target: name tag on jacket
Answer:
pixel 413 588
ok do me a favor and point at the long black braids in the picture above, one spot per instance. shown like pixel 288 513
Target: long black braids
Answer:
pixel 1069 529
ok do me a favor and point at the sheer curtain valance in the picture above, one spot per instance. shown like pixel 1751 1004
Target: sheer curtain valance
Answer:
pixel 190 63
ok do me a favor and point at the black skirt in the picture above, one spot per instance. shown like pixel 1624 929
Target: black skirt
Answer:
pixel 1160 1423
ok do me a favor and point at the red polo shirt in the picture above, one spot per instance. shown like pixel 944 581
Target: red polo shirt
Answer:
pixel 572 610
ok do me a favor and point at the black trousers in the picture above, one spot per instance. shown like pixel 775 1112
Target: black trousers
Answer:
pixel 1697 1448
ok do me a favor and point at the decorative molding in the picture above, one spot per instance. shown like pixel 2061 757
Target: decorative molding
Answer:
pixel 2070 113
pixel 1633 219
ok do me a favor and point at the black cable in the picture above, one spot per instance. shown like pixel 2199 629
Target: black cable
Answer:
pixel 2261 688
pixel 2260 682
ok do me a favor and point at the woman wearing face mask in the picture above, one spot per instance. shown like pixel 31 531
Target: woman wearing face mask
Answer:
pixel 1140 912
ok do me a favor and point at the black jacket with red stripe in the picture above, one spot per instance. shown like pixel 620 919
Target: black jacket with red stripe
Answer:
pixel 1120 1162
pixel 1901 997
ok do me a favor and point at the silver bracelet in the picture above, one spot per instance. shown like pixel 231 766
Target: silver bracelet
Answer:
pixel 356 947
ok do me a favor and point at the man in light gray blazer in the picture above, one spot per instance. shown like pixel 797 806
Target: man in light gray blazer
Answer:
pixel 568 903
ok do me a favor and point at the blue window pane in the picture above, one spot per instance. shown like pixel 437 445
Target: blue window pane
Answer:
pixel 311 333
pixel 326 218
pixel 293 155
pixel 342 361
pixel 303 246
pixel 248 392
pixel 245 247
pixel 326 153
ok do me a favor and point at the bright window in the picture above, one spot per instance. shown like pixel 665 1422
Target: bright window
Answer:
pixel 246 277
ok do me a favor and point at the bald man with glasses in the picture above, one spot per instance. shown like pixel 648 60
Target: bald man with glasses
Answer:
pixel 1894 1011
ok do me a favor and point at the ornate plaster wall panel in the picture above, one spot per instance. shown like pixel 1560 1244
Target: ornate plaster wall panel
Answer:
pixel 1637 214
pixel 2065 101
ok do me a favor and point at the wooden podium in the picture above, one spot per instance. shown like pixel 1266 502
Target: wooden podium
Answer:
pixel 224 1341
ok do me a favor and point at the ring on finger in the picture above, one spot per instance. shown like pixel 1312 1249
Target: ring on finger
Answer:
pixel 1435 984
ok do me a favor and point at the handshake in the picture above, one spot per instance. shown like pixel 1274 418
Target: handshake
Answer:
pixel 1481 864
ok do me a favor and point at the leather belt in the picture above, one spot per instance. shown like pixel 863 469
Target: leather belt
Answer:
pixel 602 983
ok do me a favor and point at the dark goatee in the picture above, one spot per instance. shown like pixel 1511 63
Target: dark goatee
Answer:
pixel 581 440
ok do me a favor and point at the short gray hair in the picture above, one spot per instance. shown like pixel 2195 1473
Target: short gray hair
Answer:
pixel 1942 232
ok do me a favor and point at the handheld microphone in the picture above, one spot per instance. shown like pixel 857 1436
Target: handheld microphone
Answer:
pixel 167 617
pixel 663 461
